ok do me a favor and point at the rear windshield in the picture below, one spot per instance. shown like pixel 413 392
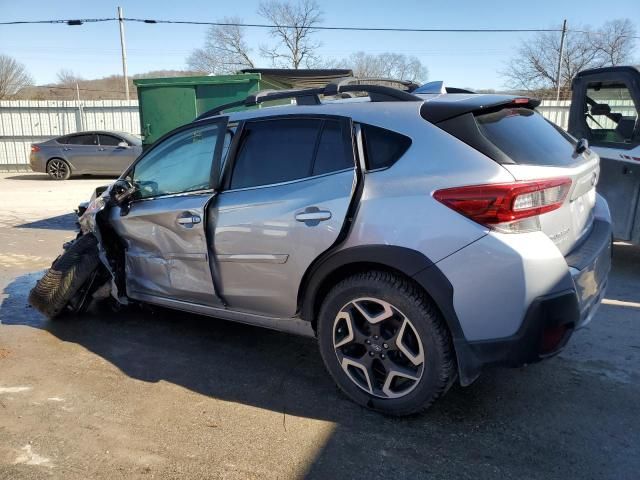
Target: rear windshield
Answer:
pixel 526 137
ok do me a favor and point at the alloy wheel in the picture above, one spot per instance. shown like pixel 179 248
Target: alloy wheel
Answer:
pixel 378 347
pixel 57 169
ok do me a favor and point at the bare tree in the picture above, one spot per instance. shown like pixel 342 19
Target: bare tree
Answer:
pixel 535 65
pixel 293 31
pixel 13 77
pixel 225 49
pixel 386 65
pixel 614 41
pixel 66 77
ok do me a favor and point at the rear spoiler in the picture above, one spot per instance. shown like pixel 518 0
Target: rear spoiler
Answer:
pixel 440 109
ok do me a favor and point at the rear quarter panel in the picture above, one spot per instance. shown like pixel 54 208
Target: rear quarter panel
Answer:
pixel 397 207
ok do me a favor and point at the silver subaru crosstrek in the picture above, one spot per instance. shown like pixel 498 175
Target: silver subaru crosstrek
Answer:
pixel 419 236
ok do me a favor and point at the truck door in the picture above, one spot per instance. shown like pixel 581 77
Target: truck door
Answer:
pixel 604 110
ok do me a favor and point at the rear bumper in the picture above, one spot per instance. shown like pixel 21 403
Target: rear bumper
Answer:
pixel 515 299
pixel 551 319
pixel 36 162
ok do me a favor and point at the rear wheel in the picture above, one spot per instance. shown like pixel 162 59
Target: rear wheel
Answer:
pixel 58 169
pixel 385 344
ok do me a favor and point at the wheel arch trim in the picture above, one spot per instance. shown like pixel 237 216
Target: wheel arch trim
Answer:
pixel 410 263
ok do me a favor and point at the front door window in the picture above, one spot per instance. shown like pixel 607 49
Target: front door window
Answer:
pixel 611 114
pixel 180 164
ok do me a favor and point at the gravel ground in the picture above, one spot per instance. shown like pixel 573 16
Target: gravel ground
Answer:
pixel 143 394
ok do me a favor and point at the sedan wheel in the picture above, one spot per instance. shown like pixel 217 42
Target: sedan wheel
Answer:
pixel 58 169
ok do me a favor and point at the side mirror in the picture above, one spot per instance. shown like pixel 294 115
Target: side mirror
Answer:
pixel 121 191
pixel 123 145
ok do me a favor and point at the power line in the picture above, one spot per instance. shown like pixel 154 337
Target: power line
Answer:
pixel 318 27
pixel 68 22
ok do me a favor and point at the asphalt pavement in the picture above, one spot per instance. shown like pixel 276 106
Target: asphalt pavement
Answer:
pixel 160 394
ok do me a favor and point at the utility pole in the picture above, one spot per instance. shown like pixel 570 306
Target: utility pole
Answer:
pixel 80 112
pixel 123 49
pixel 564 32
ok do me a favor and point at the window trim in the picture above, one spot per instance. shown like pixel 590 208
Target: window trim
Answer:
pixel 346 125
pixel 223 121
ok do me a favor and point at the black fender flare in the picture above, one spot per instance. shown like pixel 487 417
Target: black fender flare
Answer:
pixel 409 262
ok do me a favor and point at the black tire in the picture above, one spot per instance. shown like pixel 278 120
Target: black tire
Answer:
pixel 67 275
pixel 58 169
pixel 426 330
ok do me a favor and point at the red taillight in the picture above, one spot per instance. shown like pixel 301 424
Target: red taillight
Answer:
pixel 35 148
pixel 505 202
pixel 520 101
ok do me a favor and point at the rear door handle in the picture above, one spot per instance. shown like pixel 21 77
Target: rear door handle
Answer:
pixel 312 216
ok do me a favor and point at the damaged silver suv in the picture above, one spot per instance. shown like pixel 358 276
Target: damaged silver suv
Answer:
pixel 419 236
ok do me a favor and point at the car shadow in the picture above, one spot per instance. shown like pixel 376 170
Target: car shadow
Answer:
pixel 44 176
pixel 67 221
pixel 501 423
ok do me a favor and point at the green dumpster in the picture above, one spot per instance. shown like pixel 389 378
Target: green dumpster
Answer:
pixel 167 103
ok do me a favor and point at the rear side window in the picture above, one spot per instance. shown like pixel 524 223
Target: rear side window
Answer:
pixel 526 137
pixel 275 151
pixel 383 147
pixel 282 150
pixel 88 139
pixel 333 151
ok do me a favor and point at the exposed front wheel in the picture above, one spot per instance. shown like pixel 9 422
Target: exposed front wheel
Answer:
pixel 385 344
pixel 58 169
pixel 67 276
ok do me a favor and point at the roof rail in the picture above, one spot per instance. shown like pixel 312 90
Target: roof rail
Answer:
pixel 311 96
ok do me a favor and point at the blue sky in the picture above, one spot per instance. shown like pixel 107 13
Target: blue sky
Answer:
pixel 471 60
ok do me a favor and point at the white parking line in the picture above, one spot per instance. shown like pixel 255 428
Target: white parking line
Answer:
pixel 14 389
pixel 621 303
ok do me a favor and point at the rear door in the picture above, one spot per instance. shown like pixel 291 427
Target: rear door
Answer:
pixel 115 158
pixel 540 150
pixel 288 186
pixel 81 150
pixel 164 228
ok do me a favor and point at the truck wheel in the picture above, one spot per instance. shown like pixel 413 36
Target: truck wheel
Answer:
pixel 385 344
pixel 58 169
pixel 67 275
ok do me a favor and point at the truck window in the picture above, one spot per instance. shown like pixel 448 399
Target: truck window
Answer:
pixel 611 115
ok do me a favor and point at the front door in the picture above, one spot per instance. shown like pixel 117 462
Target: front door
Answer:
pixel 164 228
pixel 286 196
pixel 114 156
